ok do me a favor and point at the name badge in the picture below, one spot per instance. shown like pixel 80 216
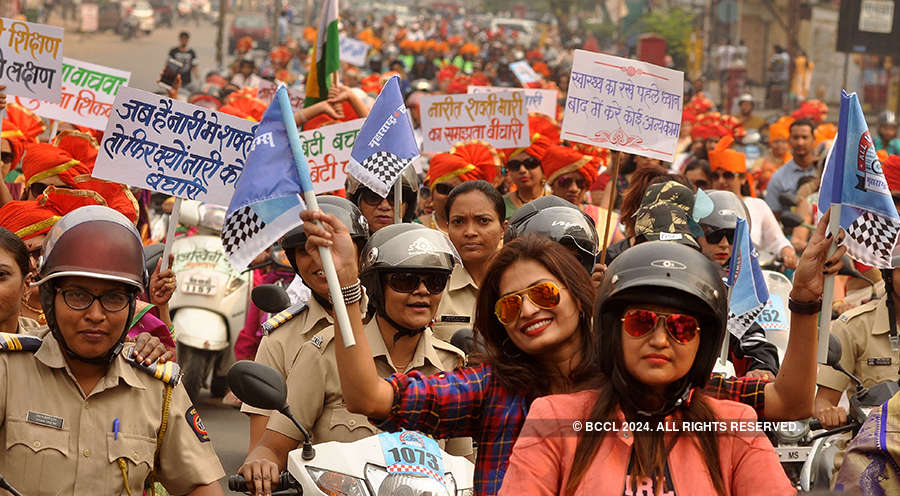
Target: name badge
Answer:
pixel 878 361
pixel 45 420
pixel 461 319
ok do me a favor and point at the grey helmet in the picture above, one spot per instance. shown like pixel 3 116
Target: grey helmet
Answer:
pixel 887 118
pixel 559 220
pixel 346 212
pixel 727 207
pixel 410 187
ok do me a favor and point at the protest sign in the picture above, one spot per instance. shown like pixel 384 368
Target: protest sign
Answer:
pixel 266 92
pixel 354 51
pixel 31 59
pixel 623 104
pixel 172 147
pixel 88 93
pixel 523 72
pixel 501 119
pixel 536 100
pixel 327 151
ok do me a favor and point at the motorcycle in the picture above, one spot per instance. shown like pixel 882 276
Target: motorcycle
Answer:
pixel 209 305
pixel 405 462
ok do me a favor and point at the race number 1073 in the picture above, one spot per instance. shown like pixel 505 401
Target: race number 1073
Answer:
pixel 414 456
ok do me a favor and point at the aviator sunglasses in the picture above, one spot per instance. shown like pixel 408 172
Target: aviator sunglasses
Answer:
pixel 407 282
pixel 543 294
pixel 680 327
pixel 566 182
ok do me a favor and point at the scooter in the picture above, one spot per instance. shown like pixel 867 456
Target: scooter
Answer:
pixel 406 462
pixel 209 305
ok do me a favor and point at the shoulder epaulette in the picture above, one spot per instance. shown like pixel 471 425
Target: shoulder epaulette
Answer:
pixel 864 308
pixel 168 372
pixel 322 338
pixel 283 316
pixel 19 342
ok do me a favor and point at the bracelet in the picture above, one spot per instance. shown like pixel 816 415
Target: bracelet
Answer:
pixel 804 307
pixel 352 293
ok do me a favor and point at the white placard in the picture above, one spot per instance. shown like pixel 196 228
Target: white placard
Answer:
pixel 354 51
pixel 31 57
pixel 876 16
pixel 266 92
pixel 88 93
pixel 327 151
pixel 524 73
pixel 173 147
pixel 500 118
pixel 623 104
pixel 536 100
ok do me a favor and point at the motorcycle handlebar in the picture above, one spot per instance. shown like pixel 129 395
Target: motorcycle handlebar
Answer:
pixel 285 482
pixel 815 425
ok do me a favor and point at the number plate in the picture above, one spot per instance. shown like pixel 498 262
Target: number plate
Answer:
pixel 793 453
pixel 199 285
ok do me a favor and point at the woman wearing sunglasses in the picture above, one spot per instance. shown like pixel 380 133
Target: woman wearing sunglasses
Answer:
pixel 404 269
pixel 523 165
pixel 378 210
pixel 729 173
pixel 466 161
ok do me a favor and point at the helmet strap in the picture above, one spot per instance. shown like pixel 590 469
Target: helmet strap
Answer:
pixel 326 304
pixel 402 331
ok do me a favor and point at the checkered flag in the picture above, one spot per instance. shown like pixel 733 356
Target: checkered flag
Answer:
pixel 739 324
pixel 241 226
pixel 379 172
pixel 870 239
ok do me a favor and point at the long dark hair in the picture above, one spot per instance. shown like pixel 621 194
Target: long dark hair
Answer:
pixel 517 371
pixel 16 248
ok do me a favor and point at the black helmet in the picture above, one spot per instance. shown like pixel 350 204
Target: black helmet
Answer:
pixel 92 241
pixel 412 247
pixel 410 186
pixel 668 274
pixel 727 207
pixel 344 210
pixel 559 220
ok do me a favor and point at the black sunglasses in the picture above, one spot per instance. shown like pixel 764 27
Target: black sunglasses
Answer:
pixel 566 182
pixel 6 157
pixel 372 198
pixel 727 175
pixel 530 163
pixel 407 282
pixel 715 237
pixel 443 188
pixel 701 184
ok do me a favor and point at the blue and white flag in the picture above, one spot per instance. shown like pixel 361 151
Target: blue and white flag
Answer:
pixel 386 144
pixel 266 202
pixel 853 178
pixel 749 293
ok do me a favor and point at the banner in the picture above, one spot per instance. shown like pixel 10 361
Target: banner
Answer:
pixel 354 51
pixel 266 93
pixel 31 57
pixel 523 72
pixel 327 151
pixel 536 100
pixel 88 93
pixel 500 118
pixel 175 148
pixel 623 104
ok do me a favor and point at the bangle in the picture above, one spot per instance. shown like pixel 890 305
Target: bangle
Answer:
pixel 352 293
pixel 804 307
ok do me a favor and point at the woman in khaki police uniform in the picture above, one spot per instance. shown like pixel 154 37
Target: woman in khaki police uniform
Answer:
pixel 404 268
pixel 77 416
pixel 299 323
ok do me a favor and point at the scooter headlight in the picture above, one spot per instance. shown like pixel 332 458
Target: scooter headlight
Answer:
pixel 383 483
pixel 337 483
pixel 791 432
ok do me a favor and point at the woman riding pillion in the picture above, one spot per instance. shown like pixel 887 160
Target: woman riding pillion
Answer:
pixel 404 270
pixel 101 416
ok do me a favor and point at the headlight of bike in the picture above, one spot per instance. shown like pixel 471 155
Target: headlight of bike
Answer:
pixel 384 483
pixel 791 432
pixel 233 285
pixel 337 483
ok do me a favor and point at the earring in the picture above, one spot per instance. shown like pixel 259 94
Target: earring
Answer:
pixel 503 348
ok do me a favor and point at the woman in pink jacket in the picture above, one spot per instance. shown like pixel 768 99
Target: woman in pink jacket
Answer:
pixel 647 428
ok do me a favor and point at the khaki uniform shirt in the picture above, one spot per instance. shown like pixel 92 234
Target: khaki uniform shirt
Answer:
pixel 31 327
pixel 457 308
pixel 59 440
pixel 314 385
pixel 865 348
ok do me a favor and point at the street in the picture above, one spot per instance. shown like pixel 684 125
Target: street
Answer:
pixel 229 431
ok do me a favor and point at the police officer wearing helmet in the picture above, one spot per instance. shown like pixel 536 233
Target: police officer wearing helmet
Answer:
pixel 886 137
pixel 404 269
pixel 286 331
pixel 98 419
pixel 660 319
pixel 378 210
pixel 752 355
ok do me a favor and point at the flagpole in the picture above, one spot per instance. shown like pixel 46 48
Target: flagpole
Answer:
pixel 723 355
pixel 612 203
pixel 834 226
pixel 170 234
pixel 398 200
pixel 309 195
pixel 54 128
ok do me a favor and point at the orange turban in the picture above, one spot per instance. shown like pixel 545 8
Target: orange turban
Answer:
pixel 246 103
pixel 544 133
pixel 781 129
pixel 813 110
pixel 309 34
pixel 723 158
pixel 446 73
pixel 81 146
pixel 115 195
pixel 24 120
pixel 371 83
pixel 33 217
pixel 43 160
pixel 825 132
pixel 891 168
pixel 459 84
pixel 561 159
pixel 469 48
pixel 541 68
pixel 469 161
pixel 245 44
pixel 280 55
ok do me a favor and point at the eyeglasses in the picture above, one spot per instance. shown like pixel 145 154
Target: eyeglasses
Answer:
pixel 543 294
pixel 566 182
pixel 443 188
pixel 407 282
pixel 79 299
pixel 530 163
pixel 372 199
pixel 701 184
pixel 680 327
pixel 715 237
pixel 727 175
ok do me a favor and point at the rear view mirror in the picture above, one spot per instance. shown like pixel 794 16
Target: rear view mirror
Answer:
pixel 258 385
pixel 270 298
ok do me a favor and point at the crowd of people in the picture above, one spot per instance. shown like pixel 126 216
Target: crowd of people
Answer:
pixel 586 295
